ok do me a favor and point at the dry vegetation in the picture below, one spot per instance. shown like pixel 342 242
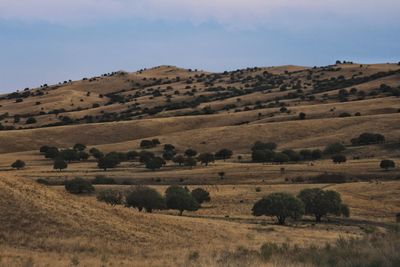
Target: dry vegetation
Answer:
pixel 43 225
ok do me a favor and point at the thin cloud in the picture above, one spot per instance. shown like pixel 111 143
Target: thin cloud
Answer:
pixel 228 12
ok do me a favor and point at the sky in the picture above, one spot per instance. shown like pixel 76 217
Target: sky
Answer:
pixel 49 41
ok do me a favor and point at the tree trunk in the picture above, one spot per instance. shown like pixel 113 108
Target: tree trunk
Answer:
pixel 318 218
pixel 180 212
pixel 281 220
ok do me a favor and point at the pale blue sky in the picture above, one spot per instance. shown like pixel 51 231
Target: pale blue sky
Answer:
pixel 48 41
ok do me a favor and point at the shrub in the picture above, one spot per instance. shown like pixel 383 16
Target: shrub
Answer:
pixel 110 196
pixel 18 164
pixel 387 164
pixel 100 179
pixel 302 115
pixel 280 205
pixel 79 186
pixel 319 203
pixel 339 158
pixel 334 148
pixel 368 139
pixel 59 164
pixel 201 195
pixel 179 198
pixel 149 143
pixel 143 197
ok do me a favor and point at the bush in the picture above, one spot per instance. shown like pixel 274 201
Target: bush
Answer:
pixel 100 179
pixel 319 203
pixel 302 115
pixel 201 195
pixel 179 198
pixel 143 197
pixel 339 158
pixel 110 196
pixel 79 186
pixel 387 164
pixel 280 205
pixel 368 139
pixel 18 164
pixel 334 148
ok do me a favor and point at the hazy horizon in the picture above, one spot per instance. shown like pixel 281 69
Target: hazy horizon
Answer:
pixel 47 41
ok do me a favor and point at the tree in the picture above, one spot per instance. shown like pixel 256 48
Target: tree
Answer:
pixel 79 147
pixel 143 197
pixel 110 196
pixel 319 203
pixel 18 164
pixel 201 195
pixel 31 120
pixel 179 198
pixel 334 148
pixel 148 143
pixel 179 159
pixel 79 186
pixel 82 155
pixel 59 164
pixel 131 155
pixel 221 175
pixel 107 162
pixel 191 162
pixel 280 205
pixel 293 155
pixel 51 153
pixel 145 156
pixel 155 163
pixel 97 154
pixel 263 146
pixel 168 154
pixel 281 158
pixel 169 147
pixel 224 154
pixel 69 155
pixel 206 158
pixel 339 158
pixel 302 115
pixel 190 153
pixel 316 154
pixel 266 155
pixel 387 164
pixel 43 149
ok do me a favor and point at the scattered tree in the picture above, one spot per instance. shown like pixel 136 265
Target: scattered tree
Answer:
pixel 143 197
pixel 110 196
pixel 320 202
pixel 224 154
pixel 280 205
pixel 206 158
pixel 387 164
pixel 179 198
pixel 18 164
pixel 201 195
pixel 334 148
pixel 59 164
pixel 339 158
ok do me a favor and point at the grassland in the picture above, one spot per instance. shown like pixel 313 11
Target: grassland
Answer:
pixel 43 225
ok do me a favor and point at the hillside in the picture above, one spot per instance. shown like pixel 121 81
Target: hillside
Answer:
pixel 132 118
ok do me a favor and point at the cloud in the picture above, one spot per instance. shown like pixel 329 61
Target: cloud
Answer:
pixel 227 12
